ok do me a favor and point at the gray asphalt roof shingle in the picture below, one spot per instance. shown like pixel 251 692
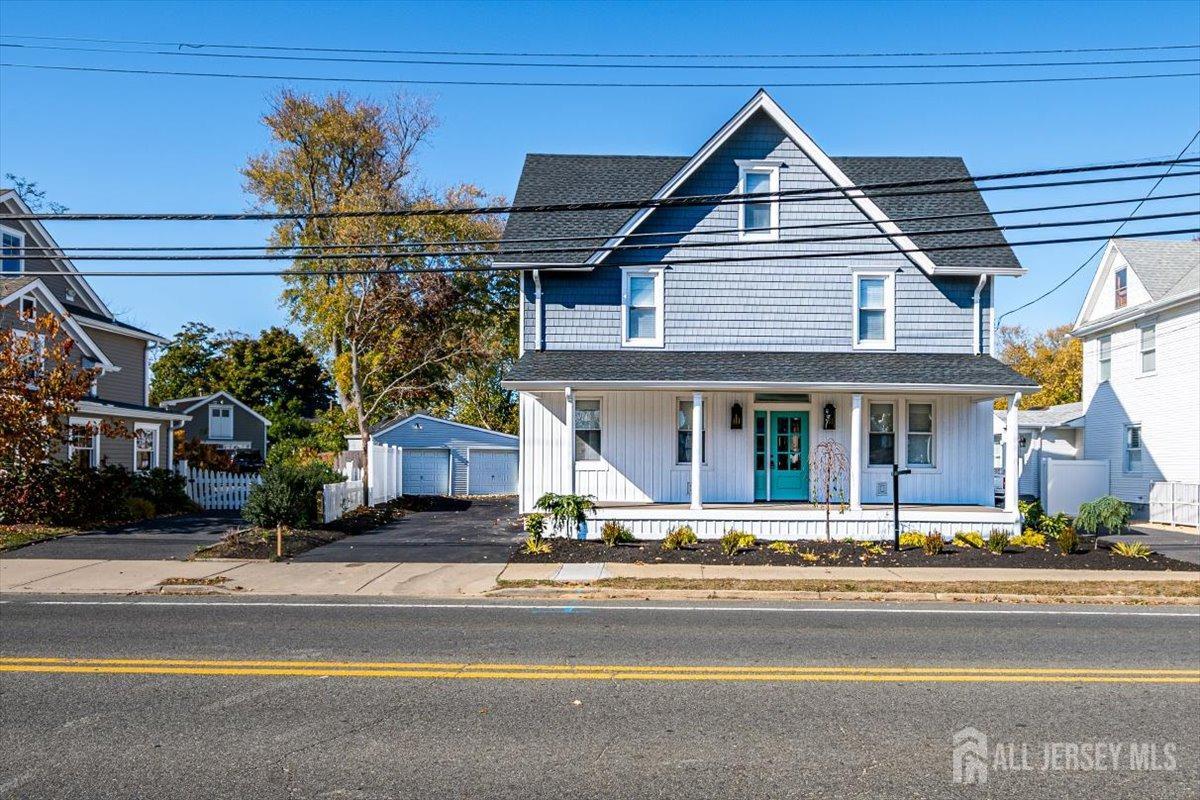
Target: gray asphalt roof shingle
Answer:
pixel 1165 267
pixel 555 179
pixel 763 367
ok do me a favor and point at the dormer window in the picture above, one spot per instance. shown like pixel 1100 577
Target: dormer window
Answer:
pixel 642 307
pixel 29 308
pixel 12 244
pixel 759 219
pixel 1120 288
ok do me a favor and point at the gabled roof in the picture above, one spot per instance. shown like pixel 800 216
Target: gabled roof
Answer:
pixel 552 179
pixel 1165 267
pixel 12 289
pixel 192 403
pixel 89 317
pixel 398 421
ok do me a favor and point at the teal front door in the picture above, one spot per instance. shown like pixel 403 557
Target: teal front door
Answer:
pixel 781 455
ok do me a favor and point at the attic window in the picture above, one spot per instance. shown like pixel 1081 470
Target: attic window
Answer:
pixel 759 219
pixel 1121 288
pixel 11 245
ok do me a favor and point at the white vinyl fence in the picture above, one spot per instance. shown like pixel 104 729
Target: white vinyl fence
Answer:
pixel 338 498
pixel 1068 483
pixel 217 491
pixel 385 472
pixel 1175 502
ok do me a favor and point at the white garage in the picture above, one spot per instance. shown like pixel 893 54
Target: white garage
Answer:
pixel 491 470
pixel 426 470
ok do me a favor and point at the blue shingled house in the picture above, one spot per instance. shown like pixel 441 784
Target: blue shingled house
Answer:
pixel 684 363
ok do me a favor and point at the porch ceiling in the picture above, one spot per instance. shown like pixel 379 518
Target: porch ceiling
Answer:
pixel 748 370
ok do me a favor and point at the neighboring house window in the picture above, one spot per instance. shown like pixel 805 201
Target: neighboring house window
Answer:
pixel 881 439
pixel 29 308
pixel 683 435
pixel 1105 357
pixel 1133 448
pixel 759 219
pixel 220 422
pixel 642 307
pixel 11 245
pixel 587 430
pixel 874 311
pixel 145 446
pixel 1149 349
pixel 83 448
pixel 35 360
pixel 91 363
pixel 1121 288
pixel 919 435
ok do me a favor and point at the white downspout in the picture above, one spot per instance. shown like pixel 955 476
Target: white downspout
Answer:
pixel 537 310
pixel 1012 469
pixel 977 316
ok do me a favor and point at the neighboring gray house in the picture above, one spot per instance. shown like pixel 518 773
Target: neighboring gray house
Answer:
pixel 759 330
pixel 443 457
pixel 1042 433
pixel 223 421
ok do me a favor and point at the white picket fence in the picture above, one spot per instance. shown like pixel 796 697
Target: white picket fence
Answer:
pixel 1175 503
pixel 338 498
pixel 385 472
pixel 217 491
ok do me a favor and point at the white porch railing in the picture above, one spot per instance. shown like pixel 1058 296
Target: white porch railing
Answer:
pixel 385 472
pixel 338 498
pixel 1175 502
pixel 217 491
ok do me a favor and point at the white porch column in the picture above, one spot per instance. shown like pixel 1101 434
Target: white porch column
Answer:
pixel 856 424
pixel 1012 473
pixel 697 446
pixel 569 448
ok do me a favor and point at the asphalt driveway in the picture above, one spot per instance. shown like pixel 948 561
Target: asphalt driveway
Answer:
pixel 163 538
pixel 1180 544
pixel 448 530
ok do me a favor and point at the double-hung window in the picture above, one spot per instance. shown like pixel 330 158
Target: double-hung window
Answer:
pixel 642 307
pixel 1133 448
pixel 874 311
pixel 145 447
pixel 1120 288
pixel 684 435
pixel 1105 358
pixel 1149 347
pixel 12 245
pixel 587 430
pixel 83 446
pixel 881 435
pixel 758 219
pixel 919 439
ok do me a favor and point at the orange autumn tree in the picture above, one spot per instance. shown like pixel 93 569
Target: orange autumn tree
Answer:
pixel 1052 358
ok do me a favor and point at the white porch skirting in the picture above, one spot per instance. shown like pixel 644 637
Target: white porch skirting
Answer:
pixel 797 521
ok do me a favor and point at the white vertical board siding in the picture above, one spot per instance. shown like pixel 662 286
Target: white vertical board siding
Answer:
pixel 1166 404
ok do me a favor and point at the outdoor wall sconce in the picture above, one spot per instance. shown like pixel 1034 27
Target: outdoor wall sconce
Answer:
pixel 735 417
pixel 829 417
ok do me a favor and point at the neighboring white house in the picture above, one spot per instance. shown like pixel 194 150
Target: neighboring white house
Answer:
pixel 1140 327
pixel 442 457
pixel 1042 433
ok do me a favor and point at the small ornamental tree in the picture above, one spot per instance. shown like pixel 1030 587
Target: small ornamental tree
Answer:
pixel 829 467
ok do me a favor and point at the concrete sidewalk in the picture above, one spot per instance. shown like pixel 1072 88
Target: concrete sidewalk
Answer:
pixel 77 576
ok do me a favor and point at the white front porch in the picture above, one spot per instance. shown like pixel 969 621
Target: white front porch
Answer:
pixel 639 479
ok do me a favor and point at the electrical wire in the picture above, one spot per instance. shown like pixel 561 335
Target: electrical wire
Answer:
pixel 597 84
pixel 816 193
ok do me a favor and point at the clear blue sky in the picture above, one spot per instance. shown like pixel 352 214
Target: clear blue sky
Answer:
pixel 125 143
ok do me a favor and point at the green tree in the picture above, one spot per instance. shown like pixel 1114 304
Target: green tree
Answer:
pixel 1052 358
pixel 186 366
pixel 274 371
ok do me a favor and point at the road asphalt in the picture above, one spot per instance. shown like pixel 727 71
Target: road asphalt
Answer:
pixel 722 705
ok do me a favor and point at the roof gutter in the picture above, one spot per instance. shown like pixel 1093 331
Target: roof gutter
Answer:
pixel 728 386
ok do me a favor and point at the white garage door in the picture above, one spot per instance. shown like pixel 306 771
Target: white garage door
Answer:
pixel 492 472
pixel 426 471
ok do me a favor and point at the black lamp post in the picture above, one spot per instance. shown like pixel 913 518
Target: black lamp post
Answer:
pixel 896 473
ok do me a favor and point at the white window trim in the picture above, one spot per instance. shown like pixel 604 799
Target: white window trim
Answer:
pixel 1142 372
pixel 1125 449
pixel 34 305
pixel 888 342
pixel 155 431
pixel 212 407
pixel 590 464
pixel 21 258
pixel 1100 359
pixel 771 169
pixel 80 422
pixel 705 464
pixel 659 306
pixel 897 433
pixel 1116 288
pixel 934 438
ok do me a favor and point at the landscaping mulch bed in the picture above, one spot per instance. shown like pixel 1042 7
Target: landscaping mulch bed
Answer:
pixel 253 543
pixel 842 554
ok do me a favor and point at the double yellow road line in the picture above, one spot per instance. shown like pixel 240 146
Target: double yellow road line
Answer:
pixel 592 672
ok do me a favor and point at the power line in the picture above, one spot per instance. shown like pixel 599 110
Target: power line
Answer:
pixel 603 65
pixel 599 84
pixel 1099 249
pixel 817 193
pixel 628 247
pixel 603 237
pixel 519 54
pixel 833 255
